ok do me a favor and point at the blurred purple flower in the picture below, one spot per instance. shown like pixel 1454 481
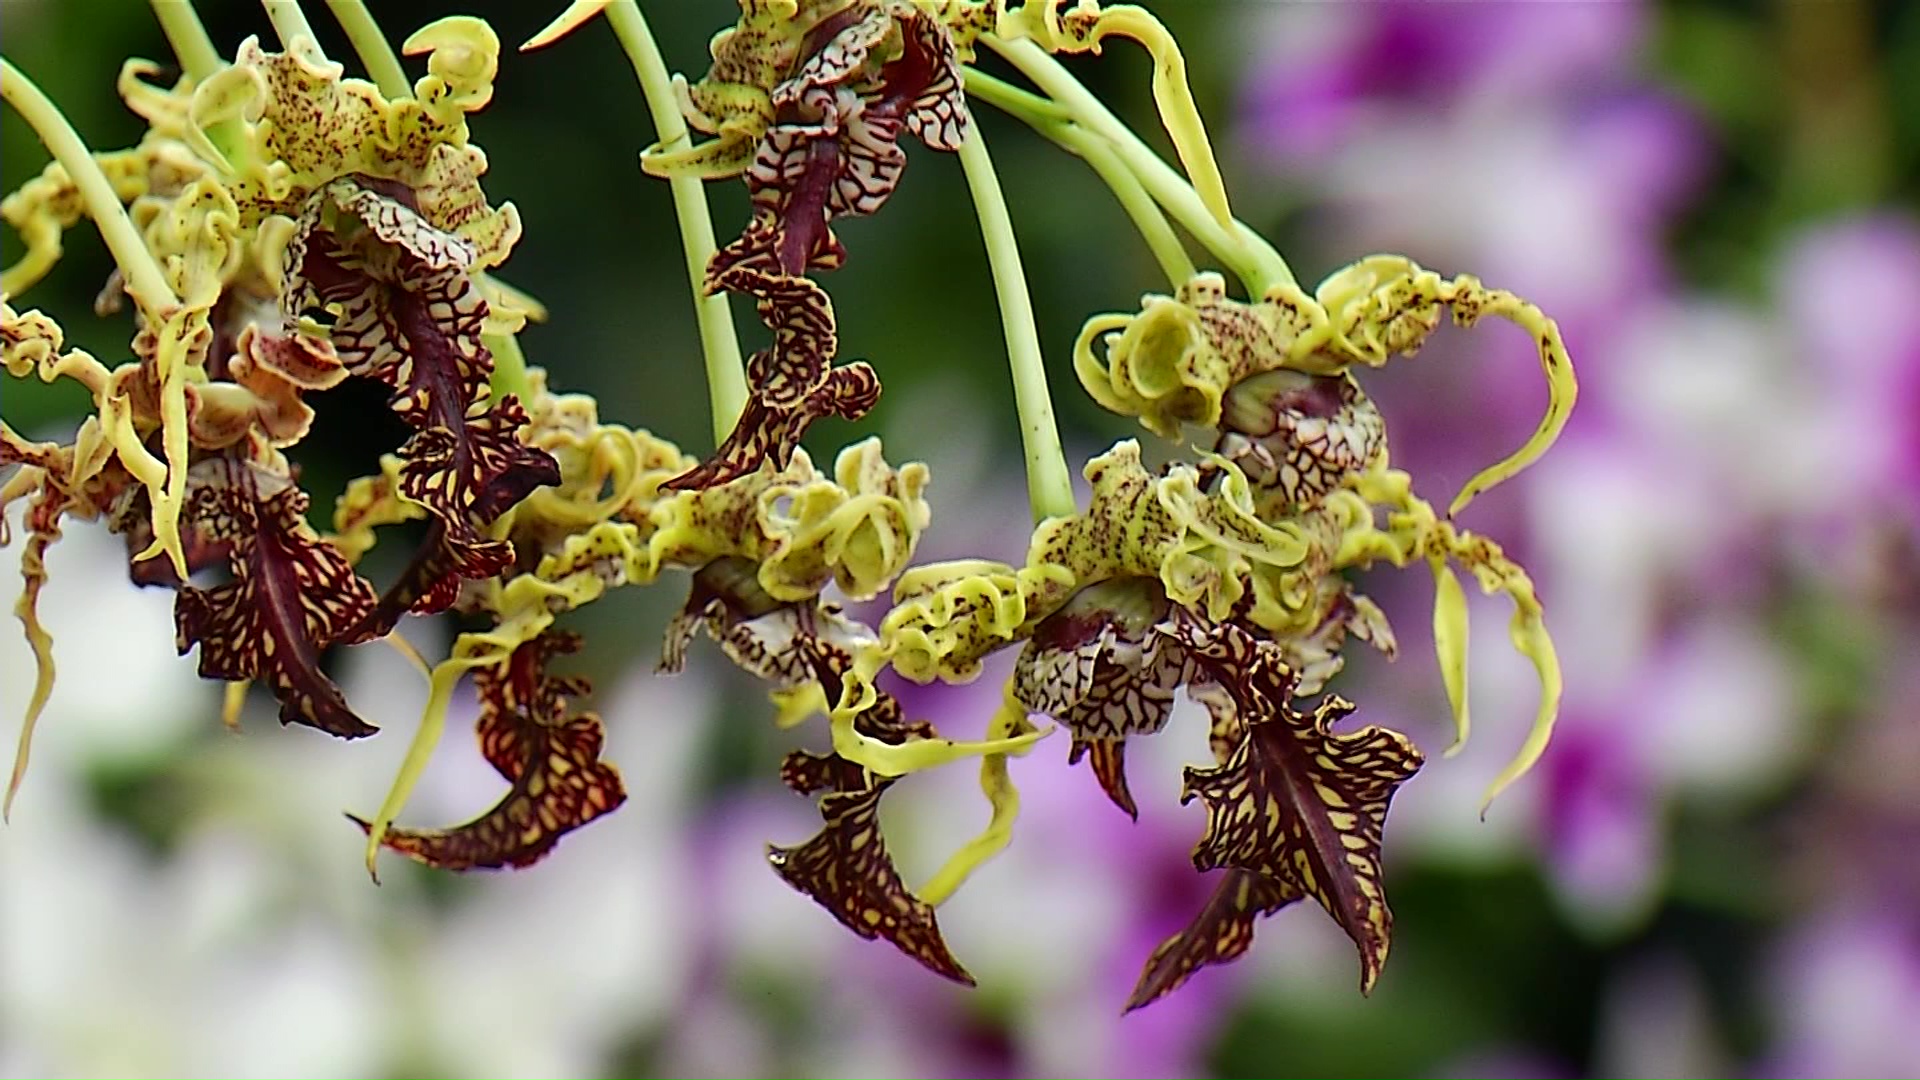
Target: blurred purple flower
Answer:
pixel 1334 70
pixel 1848 291
pixel 1845 993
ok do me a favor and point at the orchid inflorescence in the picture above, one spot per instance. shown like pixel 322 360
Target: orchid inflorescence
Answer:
pixel 282 228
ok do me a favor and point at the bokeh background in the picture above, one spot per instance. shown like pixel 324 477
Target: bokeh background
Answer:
pixel 1714 871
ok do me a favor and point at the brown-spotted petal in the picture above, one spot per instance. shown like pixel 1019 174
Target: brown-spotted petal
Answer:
pixel 291 595
pixel 551 758
pixel 1295 800
pixel 847 869
pixel 1221 933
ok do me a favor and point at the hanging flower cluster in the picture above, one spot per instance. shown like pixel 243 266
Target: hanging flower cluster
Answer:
pixel 282 228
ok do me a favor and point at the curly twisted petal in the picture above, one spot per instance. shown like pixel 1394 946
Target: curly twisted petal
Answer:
pixel 1208 550
pixel 410 316
pixel 1082 28
pixel 606 470
pixel 1387 305
pixel 1221 933
pixel 196 237
pixel 794 382
pixel 42 209
pixel 1003 802
pixel 779 642
pixel 733 100
pixel 861 529
pixel 368 503
pixel 42 522
pixel 270 367
pixel 803 530
pixel 847 869
pixel 524 608
pixel 805 338
pixel 1174 361
pixel 1226 543
pixel 197 240
pixel 31 343
pixel 550 755
pixel 809 100
pixel 949 616
pixel 1312 637
pixel 164 110
pixel 1296 802
pixel 297 124
pixel 1414 532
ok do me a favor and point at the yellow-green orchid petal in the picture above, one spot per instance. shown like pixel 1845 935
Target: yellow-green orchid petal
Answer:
pixel 1009 722
pixel 1450 644
pixel 1081 29
pixel 1387 305
pixel 897 759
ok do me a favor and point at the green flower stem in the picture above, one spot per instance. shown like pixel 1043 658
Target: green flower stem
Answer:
pixel 191 45
pixel 509 366
pixel 726 376
pixel 145 283
pixel 371 46
pixel 1049 484
pixel 1053 122
pixel 290 22
pixel 1251 258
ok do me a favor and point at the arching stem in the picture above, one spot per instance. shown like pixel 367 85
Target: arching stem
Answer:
pixel 189 40
pixel 289 22
pixel 1251 258
pixel 370 44
pixel 1049 484
pixel 1057 126
pixel 726 376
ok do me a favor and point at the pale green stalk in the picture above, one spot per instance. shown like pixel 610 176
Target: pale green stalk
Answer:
pixel 189 40
pixel 1251 258
pixel 726 377
pixel 371 46
pixel 1049 484
pixel 290 22
pixel 145 283
pixel 1054 123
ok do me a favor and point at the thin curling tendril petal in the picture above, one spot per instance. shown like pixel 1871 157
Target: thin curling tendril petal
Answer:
pixel 1009 722
pixel 1562 385
pixel 1080 29
pixel 33 570
pixel 1415 532
pixel 857 694
pixel 578 14
pixel 1450 644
